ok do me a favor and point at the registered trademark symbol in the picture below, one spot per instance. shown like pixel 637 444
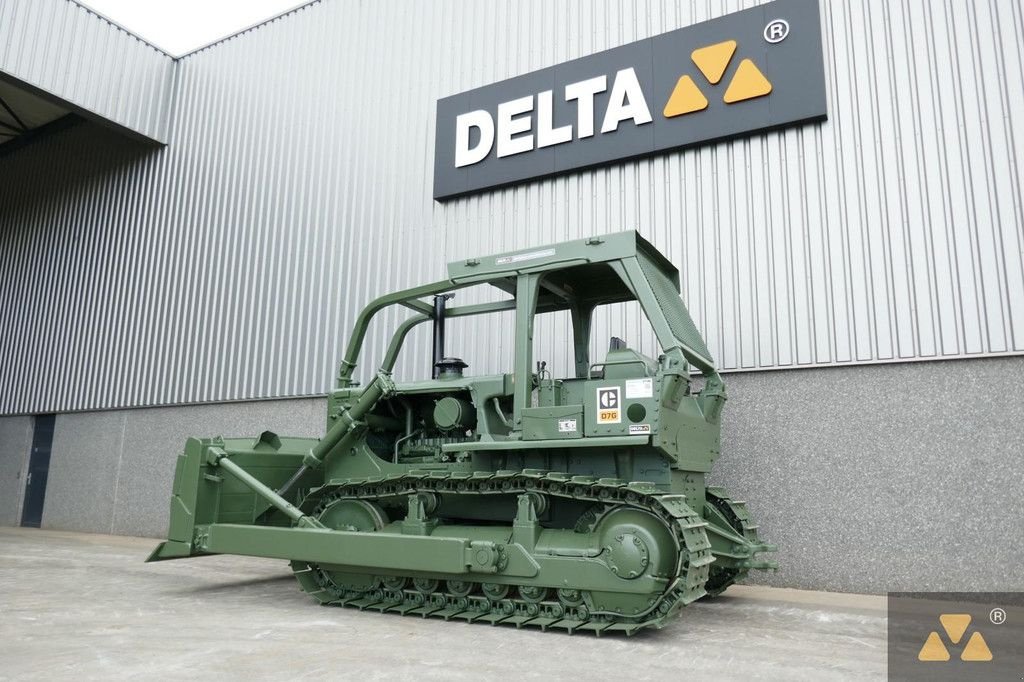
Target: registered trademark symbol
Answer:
pixel 776 30
pixel 997 616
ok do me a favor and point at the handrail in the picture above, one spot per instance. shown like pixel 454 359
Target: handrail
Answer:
pixel 635 361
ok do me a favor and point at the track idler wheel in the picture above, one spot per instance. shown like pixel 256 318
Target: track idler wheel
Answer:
pixel 354 515
pixel 359 516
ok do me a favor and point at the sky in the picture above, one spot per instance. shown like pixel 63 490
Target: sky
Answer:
pixel 180 26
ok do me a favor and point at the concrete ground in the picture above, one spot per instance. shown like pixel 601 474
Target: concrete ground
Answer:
pixel 87 607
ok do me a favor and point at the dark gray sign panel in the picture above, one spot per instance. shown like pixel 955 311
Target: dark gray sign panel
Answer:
pixel 746 72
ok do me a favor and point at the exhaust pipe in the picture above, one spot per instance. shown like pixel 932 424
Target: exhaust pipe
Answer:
pixel 440 302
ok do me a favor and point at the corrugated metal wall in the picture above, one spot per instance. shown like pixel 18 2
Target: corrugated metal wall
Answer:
pixel 65 49
pixel 296 186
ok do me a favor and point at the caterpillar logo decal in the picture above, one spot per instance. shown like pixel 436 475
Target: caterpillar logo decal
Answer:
pixel 955 625
pixel 757 69
pixel 609 405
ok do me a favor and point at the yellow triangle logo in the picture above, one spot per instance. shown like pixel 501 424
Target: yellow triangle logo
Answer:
pixel 976 649
pixel 686 98
pixel 748 83
pixel 955 625
pixel 933 649
pixel 713 59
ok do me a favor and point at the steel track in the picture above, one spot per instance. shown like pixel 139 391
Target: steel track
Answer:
pixel 687 528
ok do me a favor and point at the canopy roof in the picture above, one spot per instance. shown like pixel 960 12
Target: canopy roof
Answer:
pixel 579 274
pixel 580 270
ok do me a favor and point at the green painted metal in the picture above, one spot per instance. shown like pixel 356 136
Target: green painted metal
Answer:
pixel 354 550
pixel 576 503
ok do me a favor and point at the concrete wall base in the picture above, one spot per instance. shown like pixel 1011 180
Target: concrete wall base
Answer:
pixel 877 478
pixel 15 444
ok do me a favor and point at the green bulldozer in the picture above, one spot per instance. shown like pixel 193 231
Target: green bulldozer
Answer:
pixel 576 503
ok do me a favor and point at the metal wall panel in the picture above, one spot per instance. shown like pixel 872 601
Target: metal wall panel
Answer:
pixel 296 186
pixel 71 52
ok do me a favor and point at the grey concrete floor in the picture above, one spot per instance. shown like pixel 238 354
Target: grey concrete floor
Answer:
pixel 87 607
